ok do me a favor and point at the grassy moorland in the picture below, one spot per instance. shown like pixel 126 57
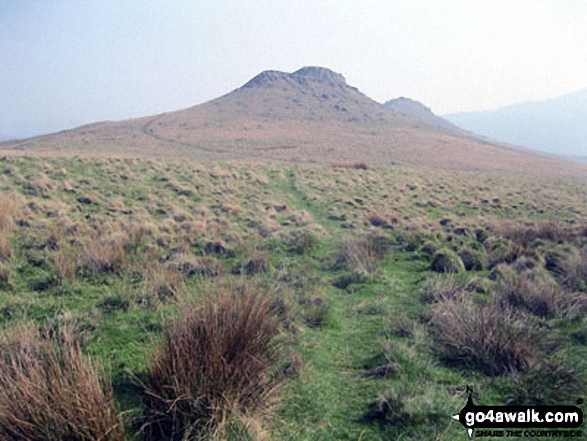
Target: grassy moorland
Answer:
pixel 271 301
pixel 309 116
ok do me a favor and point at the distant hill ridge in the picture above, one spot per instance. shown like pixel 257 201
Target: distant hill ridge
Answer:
pixel 311 115
pixel 418 111
pixel 557 125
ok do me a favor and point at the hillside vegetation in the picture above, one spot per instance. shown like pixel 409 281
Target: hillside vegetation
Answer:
pixel 294 302
pixel 308 116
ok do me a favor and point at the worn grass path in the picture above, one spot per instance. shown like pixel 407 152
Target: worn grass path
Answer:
pixel 330 399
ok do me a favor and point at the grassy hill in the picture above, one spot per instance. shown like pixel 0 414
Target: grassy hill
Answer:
pixel 290 261
pixel 309 116
pixel 392 288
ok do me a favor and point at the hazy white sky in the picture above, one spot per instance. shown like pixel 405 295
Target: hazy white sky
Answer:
pixel 68 62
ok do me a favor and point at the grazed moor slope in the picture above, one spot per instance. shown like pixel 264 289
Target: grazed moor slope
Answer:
pixel 311 115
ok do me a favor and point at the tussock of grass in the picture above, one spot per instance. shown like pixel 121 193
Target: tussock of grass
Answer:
pixel 214 363
pixel 8 210
pixel 525 235
pixel 570 268
pixel 39 184
pixel 50 391
pixel 161 283
pixel 103 255
pixel 488 337
pixel 363 255
pixel 537 293
pixel 447 261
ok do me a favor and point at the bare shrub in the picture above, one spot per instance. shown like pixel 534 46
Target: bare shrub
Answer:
pixel 489 337
pixel 49 391
pixel 215 362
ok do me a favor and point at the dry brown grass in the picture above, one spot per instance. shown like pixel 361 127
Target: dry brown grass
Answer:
pixel 161 283
pixel 141 228
pixel 363 255
pixel 573 271
pixel 380 218
pixel 352 165
pixel 489 337
pixel 215 362
pixel 105 254
pixel 525 233
pixel 66 257
pixel 8 210
pixel 39 184
pixel 67 264
pixel 50 392
pixel 116 204
pixel 5 247
pixel 537 293
pixel 270 128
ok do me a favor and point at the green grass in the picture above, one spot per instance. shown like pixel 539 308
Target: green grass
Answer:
pixel 341 322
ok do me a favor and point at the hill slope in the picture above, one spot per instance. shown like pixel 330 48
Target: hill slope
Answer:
pixel 418 111
pixel 311 115
pixel 556 126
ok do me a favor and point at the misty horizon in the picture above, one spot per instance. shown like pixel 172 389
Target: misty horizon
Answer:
pixel 70 63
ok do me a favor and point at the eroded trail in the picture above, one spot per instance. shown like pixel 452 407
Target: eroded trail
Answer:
pixel 332 396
